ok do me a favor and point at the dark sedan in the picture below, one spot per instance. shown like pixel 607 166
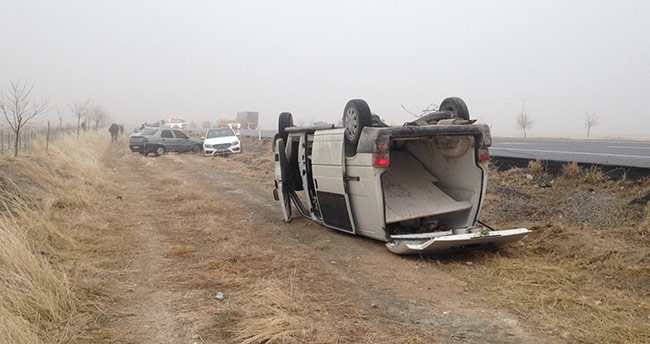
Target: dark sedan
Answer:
pixel 159 141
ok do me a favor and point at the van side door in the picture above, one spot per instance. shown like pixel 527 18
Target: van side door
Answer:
pixel 328 168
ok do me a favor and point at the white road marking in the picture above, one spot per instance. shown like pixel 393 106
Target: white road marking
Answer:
pixel 630 147
pixel 515 143
pixel 576 153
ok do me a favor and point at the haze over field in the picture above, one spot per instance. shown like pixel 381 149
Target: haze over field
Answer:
pixel 146 60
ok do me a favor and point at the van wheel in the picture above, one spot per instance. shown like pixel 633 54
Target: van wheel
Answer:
pixel 285 121
pixel 456 106
pixel 356 116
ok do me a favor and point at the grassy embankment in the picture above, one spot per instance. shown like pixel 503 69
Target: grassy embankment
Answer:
pixel 48 201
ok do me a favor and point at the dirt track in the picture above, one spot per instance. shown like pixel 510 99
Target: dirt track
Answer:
pixel 187 227
pixel 200 227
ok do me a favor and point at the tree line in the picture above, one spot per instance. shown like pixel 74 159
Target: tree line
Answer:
pixel 525 122
pixel 19 108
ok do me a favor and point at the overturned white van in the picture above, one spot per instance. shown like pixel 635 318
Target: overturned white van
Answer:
pixel 418 187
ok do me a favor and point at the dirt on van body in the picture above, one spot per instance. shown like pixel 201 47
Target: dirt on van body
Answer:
pixel 187 227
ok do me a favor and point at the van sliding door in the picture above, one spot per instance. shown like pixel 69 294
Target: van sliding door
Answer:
pixel 328 166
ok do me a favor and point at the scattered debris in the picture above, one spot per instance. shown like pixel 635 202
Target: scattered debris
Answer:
pixel 545 180
pixel 642 200
pixel 219 296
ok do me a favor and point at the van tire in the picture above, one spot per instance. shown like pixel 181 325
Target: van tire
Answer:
pixel 456 106
pixel 356 116
pixel 284 121
pixel 284 168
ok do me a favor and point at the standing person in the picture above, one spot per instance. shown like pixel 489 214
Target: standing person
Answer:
pixel 121 129
pixel 113 129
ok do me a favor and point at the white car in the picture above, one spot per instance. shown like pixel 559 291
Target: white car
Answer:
pixel 221 141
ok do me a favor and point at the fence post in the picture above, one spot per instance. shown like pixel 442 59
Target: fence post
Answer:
pixel 47 138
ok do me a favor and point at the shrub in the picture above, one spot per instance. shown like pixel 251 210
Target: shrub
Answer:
pixel 594 175
pixel 535 167
pixel 571 170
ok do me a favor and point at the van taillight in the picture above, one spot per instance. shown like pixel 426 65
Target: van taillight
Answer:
pixel 483 155
pixel 381 160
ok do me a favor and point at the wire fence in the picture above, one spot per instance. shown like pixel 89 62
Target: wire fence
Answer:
pixel 28 138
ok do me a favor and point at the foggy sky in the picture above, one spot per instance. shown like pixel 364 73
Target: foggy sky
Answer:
pixel 146 60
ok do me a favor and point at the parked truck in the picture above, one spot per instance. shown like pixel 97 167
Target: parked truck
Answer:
pixel 248 119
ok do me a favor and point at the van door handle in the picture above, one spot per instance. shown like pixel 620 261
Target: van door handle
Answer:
pixel 351 178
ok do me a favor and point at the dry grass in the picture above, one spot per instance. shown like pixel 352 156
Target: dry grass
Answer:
pixel 582 275
pixel 571 170
pixel 644 229
pixel 581 289
pixel 595 175
pixel 37 194
pixel 536 167
pixel 276 314
pixel 35 295
pixel 256 158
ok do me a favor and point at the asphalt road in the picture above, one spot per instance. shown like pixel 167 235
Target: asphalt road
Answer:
pixel 604 152
pixel 626 153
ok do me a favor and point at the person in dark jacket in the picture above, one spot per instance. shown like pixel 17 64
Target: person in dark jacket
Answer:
pixel 114 130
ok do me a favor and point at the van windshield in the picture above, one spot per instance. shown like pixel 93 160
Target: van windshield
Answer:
pixel 220 132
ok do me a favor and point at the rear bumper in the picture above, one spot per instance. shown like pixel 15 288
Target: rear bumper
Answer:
pixel 134 147
pixel 456 241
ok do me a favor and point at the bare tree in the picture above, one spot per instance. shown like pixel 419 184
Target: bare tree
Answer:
pixel 59 111
pixel 80 110
pixel 590 122
pixel 18 108
pixel 524 122
pixel 98 115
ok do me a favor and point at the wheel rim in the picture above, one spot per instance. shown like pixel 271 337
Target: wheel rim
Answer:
pixel 160 150
pixel 351 123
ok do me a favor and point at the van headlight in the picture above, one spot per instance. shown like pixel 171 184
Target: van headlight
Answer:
pixel 235 143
